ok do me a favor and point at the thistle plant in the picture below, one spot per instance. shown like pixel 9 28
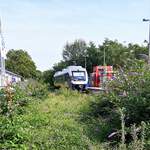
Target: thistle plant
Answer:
pixel 123 145
pixel 9 99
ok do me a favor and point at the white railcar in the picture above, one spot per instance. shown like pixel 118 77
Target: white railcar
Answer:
pixel 74 77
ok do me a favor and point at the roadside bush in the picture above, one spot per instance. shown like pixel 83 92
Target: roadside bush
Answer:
pixel 3 102
pixel 35 88
pixel 12 105
pixel 12 100
pixel 129 91
pixel 12 135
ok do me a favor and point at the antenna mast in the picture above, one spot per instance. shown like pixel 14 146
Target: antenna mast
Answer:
pixel 2 58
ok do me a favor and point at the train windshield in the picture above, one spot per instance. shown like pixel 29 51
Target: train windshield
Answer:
pixel 78 75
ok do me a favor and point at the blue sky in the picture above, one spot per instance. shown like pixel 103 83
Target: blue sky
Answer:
pixel 42 27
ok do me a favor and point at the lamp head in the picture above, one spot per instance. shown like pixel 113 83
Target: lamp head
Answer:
pixel 146 19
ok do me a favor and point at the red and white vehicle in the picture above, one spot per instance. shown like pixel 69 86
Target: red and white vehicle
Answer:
pixel 100 75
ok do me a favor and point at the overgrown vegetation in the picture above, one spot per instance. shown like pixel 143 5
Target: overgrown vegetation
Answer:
pixel 35 89
pixel 14 102
pixel 79 52
pixel 31 117
pixel 117 53
pixel 129 91
pixel 21 63
pixel 68 120
pixel 48 124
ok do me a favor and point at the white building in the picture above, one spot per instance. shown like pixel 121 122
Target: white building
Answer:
pixel 10 78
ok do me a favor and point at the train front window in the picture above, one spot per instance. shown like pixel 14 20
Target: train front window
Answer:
pixel 78 75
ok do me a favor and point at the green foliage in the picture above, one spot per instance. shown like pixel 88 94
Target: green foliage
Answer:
pixel 104 108
pixel 39 75
pixel 60 65
pixel 35 89
pixel 79 53
pixel 61 122
pixel 75 52
pixel 128 91
pixel 136 49
pixel 51 124
pixel 116 53
pixel 3 102
pixel 13 100
pixel 13 106
pixel 12 135
pixel 20 62
pixel 48 77
pixel 94 56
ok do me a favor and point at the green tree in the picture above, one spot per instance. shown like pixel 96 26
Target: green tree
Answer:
pixel 61 65
pixel 116 53
pixel 94 56
pixel 130 90
pixel 138 51
pixel 20 62
pixel 48 77
pixel 119 54
pixel 38 75
pixel 75 53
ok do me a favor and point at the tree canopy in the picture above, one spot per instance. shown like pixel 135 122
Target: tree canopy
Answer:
pixel 20 62
pixel 89 54
pixel 74 53
pixel 116 53
pixel 48 77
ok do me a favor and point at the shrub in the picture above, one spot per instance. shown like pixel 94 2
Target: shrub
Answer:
pixel 128 90
pixel 12 135
pixel 35 88
pixel 13 99
pixel 12 104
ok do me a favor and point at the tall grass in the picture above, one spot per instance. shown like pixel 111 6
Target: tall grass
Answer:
pixel 61 122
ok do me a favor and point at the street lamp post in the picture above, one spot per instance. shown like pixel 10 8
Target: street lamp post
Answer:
pixel 2 58
pixel 148 20
pixel 104 57
pixel 85 63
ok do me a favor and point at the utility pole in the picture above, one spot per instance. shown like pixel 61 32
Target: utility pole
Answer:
pixel 148 20
pixel 2 58
pixel 85 63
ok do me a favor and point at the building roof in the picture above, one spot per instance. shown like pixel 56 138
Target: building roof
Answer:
pixel 11 73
